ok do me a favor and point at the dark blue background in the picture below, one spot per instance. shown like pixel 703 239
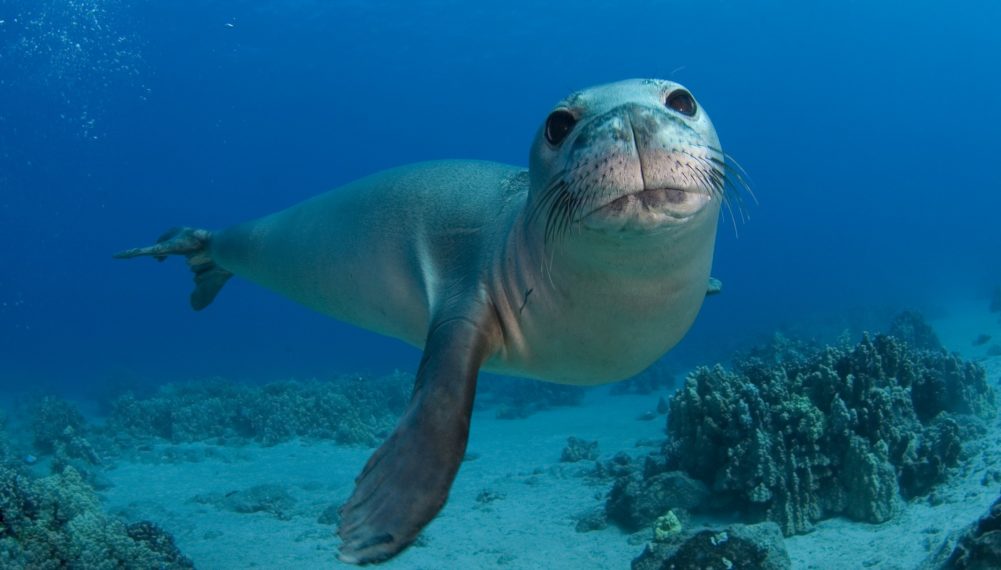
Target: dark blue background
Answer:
pixel 869 129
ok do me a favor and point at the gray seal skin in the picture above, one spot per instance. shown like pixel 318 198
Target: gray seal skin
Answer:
pixel 583 269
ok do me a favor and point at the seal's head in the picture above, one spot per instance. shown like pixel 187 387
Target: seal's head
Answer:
pixel 629 158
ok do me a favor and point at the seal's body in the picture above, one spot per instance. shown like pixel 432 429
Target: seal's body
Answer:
pixel 583 269
pixel 377 252
pixel 374 253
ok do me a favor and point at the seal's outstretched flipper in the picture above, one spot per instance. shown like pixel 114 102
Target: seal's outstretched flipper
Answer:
pixel 715 287
pixel 193 244
pixel 406 481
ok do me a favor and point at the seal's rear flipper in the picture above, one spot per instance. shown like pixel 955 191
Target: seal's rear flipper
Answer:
pixel 193 244
pixel 406 481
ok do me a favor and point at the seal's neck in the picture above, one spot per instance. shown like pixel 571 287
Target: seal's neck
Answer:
pixel 597 308
pixel 594 263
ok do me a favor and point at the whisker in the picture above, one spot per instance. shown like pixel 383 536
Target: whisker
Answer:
pixel 734 171
pixel 725 179
pixel 731 160
pixel 711 184
pixel 733 197
pixel 564 202
pixel 717 186
pixel 558 212
pixel 552 190
pixel 733 218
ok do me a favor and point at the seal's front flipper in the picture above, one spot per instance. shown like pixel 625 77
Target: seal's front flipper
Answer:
pixel 193 244
pixel 715 287
pixel 406 481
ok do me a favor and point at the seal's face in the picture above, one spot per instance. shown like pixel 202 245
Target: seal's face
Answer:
pixel 632 157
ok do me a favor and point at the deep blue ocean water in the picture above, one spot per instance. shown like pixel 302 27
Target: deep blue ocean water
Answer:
pixel 869 130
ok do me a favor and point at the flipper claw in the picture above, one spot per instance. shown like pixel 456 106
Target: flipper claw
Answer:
pixel 177 241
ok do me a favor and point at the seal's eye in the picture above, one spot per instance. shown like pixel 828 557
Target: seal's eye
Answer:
pixel 682 102
pixel 558 126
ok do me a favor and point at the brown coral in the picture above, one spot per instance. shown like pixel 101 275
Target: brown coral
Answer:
pixel 842 432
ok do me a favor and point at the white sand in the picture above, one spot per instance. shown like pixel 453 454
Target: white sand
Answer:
pixel 532 525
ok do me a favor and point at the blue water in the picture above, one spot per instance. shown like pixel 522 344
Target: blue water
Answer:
pixel 869 130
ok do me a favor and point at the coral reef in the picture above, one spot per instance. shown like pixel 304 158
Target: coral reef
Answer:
pixel 349 410
pixel 579 450
pixel 59 429
pixel 54 422
pixel 56 522
pixel 739 547
pixel 838 431
pixel 158 541
pixel 844 432
pixel 516 398
pixel 977 547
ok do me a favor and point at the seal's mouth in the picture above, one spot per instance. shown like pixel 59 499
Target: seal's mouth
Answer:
pixel 647 209
pixel 639 177
pixel 650 200
pixel 571 203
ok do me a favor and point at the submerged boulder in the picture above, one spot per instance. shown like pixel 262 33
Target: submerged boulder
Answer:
pixel 637 501
pixel 738 547
pixel 579 450
pixel 269 498
pixel 978 547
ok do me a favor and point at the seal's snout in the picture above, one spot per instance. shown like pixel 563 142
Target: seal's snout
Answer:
pixel 641 167
pixel 644 122
pixel 635 155
pixel 664 146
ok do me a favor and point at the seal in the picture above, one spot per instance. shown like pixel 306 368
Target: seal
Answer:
pixel 583 269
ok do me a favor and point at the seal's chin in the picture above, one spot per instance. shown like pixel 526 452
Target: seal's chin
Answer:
pixel 647 209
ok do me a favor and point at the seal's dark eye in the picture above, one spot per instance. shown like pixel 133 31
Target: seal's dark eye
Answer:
pixel 682 102
pixel 558 126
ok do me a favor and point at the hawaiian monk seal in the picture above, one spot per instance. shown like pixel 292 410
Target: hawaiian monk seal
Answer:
pixel 584 269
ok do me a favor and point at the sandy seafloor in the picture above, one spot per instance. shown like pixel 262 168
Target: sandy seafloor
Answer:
pixel 531 524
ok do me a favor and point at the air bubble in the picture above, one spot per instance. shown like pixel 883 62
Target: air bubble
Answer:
pixel 73 55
